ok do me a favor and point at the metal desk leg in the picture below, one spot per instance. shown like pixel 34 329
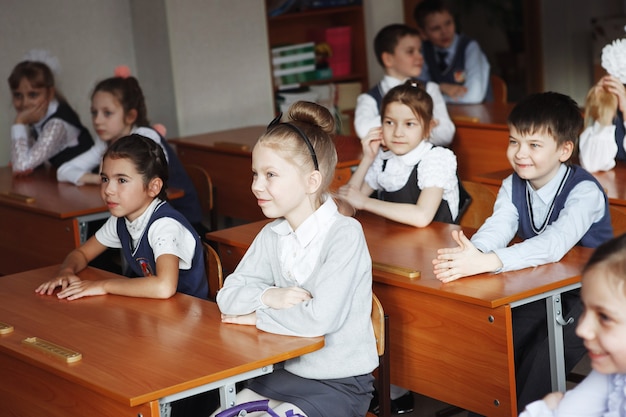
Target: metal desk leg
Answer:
pixel 554 310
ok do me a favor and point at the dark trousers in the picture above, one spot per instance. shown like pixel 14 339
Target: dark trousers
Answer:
pixel 532 355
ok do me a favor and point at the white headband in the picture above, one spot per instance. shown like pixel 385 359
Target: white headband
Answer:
pixel 42 55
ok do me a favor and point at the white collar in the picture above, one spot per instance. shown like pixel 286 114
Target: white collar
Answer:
pixel 310 226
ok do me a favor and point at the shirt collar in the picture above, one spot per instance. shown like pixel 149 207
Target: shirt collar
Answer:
pixel 136 227
pixel 412 157
pixel 390 82
pixel 309 228
pixel 450 49
pixel 548 191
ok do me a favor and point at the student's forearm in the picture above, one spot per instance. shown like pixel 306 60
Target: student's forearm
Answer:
pixel 489 262
pixel 74 262
pixel 147 287
pixel 402 213
pixel 358 177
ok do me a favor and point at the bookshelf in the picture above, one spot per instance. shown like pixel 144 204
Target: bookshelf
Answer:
pixel 296 27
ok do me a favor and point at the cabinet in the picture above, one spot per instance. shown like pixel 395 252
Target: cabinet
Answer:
pixel 298 26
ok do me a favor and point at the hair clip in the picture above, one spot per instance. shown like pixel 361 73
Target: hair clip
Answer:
pixel 122 71
pixel 307 141
pixel 414 83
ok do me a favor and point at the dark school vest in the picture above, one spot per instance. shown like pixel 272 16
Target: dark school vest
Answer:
pixel 619 135
pixel 455 71
pixel 188 204
pixel 410 193
pixel 597 234
pixel 141 261
pixel 85 141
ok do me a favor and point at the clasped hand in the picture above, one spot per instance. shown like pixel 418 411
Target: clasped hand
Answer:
pixel 461 261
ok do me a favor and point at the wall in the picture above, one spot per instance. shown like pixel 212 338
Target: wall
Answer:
pixel 204 65
pixel 89 38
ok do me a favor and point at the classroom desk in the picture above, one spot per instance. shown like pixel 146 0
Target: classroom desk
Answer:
pixel 481 137
pixel 43 231
pixel 138 354
pixel 613 181
pixel 226 156
pixel 453 341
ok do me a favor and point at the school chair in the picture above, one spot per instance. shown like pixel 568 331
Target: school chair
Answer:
pixel 499 89
pixel 204 187
pixel 618 220
pixel 214 274
pixel 380 322
pixel 481 207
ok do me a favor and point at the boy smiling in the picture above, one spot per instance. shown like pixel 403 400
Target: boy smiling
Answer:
pixel 551 205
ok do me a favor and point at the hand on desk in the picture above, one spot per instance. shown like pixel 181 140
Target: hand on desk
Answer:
pixel 463 261
pixel 248 319
pixel 72 287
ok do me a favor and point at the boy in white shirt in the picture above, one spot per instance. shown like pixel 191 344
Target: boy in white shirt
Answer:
pixel 397 49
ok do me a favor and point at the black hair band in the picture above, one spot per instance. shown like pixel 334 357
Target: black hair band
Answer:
pixel 304 137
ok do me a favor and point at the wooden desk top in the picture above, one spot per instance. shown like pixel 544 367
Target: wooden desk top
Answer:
pixel 484 114
pixel 397 244
pixel 53 198
pixel 613 181
pixel 135 350
pixel 241 141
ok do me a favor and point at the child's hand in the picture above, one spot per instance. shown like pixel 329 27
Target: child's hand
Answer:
pixel 462 261
pixel 372 142
pixel 32 115
pixel 280 298
pixel 353 196
pixel 553 399
pixel 63 281
pixel 453 90
pixel 615 87
pixel 247 319
pixel 79 289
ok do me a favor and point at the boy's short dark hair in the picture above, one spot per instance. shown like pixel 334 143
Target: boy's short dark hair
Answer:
pixel 552 113
pixel 388 37
pixel 427 7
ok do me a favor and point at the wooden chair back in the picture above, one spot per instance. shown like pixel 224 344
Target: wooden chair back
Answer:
pixel 380 322
pixel 204 187
pixel 618 220
pixel 214 274
pixel 499 89
pixel 481 207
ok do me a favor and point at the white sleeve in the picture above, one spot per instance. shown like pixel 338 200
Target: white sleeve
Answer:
pixel 366 115
pixel 72 170
pixel 597 148
pixel 443 133
pixel 168 236
pixel 107 234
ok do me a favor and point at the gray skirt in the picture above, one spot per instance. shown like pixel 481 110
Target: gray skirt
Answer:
pixel 347 397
